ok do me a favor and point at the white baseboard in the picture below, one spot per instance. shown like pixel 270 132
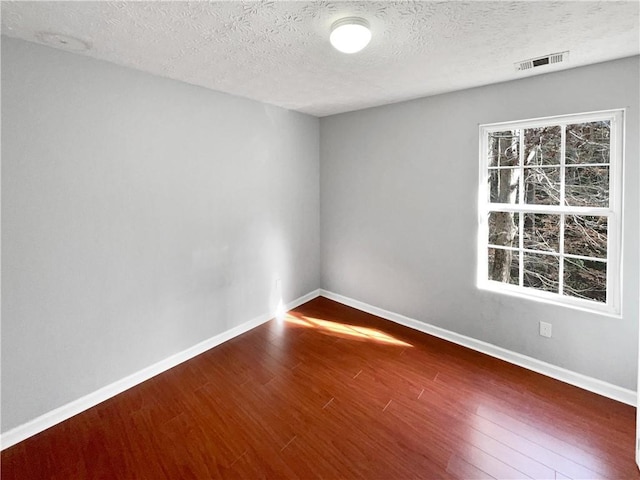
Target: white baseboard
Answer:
pixel 577 379
pixel 49 419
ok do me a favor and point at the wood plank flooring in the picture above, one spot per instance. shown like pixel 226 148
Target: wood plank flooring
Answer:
pixel 331 393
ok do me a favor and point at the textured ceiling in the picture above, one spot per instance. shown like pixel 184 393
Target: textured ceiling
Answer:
pixel 278 52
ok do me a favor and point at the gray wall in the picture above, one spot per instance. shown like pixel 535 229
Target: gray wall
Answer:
pixel 399 213
pixel 140 216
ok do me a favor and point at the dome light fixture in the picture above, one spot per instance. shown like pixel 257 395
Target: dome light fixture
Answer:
pixel 350 34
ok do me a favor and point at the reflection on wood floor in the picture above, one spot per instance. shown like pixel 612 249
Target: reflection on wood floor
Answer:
pixel 331 392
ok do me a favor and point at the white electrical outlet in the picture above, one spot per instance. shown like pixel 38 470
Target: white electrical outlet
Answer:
pixel 545 329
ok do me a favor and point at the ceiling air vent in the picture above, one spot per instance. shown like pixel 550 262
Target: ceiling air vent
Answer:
pixel 540 61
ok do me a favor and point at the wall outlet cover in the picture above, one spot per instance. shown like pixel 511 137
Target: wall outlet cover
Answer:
pixel 545 329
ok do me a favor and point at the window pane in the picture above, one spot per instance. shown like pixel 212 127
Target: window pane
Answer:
pixel 503 229
pixel 541 272
pixel 542 232
pixel 504 148
pixel 585 279
pixel 542 186
pixel 557 177
pixel 587 186
pixel 585 235
pixel 542 145
pixel 504 185
pixel 588 142
pixel 504 266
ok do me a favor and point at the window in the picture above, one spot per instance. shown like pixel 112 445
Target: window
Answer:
pixel 550 209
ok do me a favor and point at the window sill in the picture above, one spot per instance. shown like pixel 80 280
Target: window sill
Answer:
pixel 551 299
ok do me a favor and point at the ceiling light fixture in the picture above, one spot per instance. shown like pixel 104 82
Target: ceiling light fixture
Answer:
pixel 350 35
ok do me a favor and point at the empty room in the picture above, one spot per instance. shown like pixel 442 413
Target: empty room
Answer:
pixel 317 239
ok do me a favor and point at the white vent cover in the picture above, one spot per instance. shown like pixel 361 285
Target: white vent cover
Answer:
pixel 550 59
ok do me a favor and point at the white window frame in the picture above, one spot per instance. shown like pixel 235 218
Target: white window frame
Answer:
pixel 613 212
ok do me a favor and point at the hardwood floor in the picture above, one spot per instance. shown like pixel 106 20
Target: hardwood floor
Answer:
pixel 336 393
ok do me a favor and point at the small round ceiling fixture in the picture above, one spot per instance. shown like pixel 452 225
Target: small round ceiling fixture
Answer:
pixel 60 40
pixel 350 35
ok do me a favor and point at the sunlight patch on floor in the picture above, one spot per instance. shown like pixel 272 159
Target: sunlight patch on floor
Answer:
pixel 345 330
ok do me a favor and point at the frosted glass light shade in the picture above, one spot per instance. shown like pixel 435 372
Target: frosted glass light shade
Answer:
pixel 350 35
